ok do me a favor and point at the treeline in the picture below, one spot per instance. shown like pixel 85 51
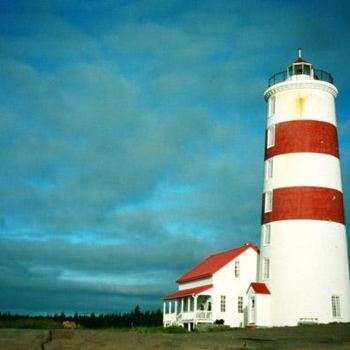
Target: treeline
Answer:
pixel 134 318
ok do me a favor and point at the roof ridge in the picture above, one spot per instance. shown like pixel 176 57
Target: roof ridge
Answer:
pixel 214 262
pixel 229 250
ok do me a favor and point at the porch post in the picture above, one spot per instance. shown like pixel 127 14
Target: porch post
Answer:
pixel 195 309
pixel 182 305
pixel 164 311
pixel 175 301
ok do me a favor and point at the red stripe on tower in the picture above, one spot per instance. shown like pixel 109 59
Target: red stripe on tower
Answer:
pixel 305 203
pixel 304 136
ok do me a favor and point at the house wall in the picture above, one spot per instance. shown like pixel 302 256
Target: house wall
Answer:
pixel 194 284
pixel 225 283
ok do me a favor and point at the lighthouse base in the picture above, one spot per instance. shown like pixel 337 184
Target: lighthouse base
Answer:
pixel 308 272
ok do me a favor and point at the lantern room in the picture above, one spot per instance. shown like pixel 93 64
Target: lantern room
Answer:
pixel 300 67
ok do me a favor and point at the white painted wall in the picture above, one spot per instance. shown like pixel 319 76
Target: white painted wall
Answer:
pixel 195 284
pixel 296 100
pixel 308 264
pixel 226 284
pixel 263 310
pixel 304 169
pixel 262 316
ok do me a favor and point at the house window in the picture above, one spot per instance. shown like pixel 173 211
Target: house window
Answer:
pixel 266 239
pixel 223 303
pixel 237 269
pixel 335 306
pixel 266 268
pixel 269 169
pixel 240 304
pixel 268 201
pixel 271 106
pixel 270 136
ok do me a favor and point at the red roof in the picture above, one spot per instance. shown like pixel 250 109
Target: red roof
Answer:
pixel 190 291
pixel 299 60
pixel 213 263
pixel 259 288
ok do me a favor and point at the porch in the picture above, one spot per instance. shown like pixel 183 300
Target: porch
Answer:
pixel 187 309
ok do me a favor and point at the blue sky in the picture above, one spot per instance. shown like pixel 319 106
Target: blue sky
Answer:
pixel 132 139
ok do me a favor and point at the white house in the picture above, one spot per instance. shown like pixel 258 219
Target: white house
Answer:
pixel 215 289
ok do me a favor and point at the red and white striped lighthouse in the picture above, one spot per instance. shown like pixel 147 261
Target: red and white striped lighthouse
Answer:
pixel 304 259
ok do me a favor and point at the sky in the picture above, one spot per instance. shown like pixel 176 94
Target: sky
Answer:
pixel 132 139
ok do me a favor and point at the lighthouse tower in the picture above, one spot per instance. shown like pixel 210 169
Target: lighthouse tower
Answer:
pixel 303 260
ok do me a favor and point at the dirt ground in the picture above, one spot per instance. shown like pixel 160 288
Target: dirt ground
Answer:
pixel 335 336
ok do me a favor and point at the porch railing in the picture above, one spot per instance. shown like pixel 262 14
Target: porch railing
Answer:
pixel 187 316
pixel 203 315
pixel 319 74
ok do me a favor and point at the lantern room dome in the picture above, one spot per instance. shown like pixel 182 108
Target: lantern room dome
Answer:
pixel 300 70
pixel 300 67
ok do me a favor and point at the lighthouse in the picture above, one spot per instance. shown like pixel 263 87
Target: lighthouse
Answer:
pixel 303 257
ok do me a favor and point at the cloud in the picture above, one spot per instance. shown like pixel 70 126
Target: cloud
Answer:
pixel 132 139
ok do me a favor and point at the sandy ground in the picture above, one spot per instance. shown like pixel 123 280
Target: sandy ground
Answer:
pixel 306 337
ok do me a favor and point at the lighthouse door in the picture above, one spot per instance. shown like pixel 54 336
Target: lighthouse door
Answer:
pixel 251 318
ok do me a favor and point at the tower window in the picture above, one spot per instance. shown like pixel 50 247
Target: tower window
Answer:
pixel 271 106
pixel 266 236
pixel 222 303
pixel 269 169
pixel 266 268
pixel 268 201
pixel 335 306
pixel 237 269
pixel 240 304
pixel 270 136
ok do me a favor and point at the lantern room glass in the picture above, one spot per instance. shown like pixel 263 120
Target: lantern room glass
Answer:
pixel 299 68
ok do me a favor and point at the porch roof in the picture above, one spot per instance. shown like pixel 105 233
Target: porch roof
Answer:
pixel 190 291
pixel 259 288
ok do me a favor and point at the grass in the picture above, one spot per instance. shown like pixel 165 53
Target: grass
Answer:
pixel 322 337
pixel 313 337
pixel 30 323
